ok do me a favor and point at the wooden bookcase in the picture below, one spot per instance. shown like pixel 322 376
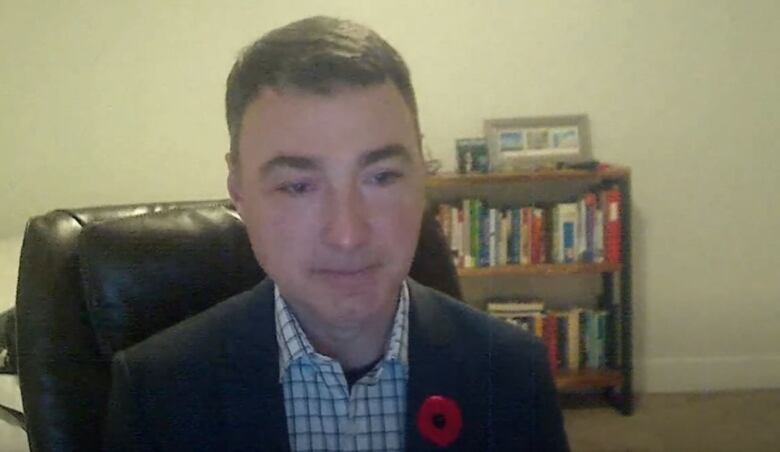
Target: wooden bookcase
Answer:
pixel 554 186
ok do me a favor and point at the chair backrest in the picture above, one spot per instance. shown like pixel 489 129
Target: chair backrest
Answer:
pixel 94 281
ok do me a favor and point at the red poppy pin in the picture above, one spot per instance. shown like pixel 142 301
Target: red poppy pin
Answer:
pixel 439 420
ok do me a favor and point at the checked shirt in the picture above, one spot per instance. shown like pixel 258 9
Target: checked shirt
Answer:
pixel 322 413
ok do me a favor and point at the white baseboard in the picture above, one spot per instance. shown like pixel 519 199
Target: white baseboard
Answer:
pixel 707 374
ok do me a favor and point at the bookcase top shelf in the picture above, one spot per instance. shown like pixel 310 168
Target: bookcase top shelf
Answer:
pixel 610 172
pixel 540 269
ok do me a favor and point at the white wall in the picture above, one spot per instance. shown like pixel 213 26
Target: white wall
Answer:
pixel 112 102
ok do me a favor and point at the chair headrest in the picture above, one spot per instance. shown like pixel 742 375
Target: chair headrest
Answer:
pixel 144 273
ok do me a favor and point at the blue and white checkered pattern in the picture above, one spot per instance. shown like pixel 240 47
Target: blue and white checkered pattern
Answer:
pixel 322 414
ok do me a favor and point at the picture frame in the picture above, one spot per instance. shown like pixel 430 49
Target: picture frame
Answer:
pixel 529 143
pixel 472 155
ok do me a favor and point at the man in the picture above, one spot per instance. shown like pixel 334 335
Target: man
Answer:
pixel 338 349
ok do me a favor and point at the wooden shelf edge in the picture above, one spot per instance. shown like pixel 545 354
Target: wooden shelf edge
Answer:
pixel 539 269
pixel 587 379
pixel 455 179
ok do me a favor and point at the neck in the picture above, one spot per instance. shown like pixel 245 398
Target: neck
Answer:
pixel 353 346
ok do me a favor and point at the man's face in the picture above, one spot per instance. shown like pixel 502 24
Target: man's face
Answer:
pixel 331 189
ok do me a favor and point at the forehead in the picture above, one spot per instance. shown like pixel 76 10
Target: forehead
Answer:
pixel 343 123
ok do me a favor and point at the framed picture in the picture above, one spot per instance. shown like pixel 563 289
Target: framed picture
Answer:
pixel 472 155
pixel 536 142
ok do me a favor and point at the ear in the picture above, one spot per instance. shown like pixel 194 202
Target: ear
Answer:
pixel 234 185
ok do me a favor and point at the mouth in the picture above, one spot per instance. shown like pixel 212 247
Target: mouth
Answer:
pixel 347 278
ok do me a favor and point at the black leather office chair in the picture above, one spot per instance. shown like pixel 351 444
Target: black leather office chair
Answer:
pixel 94 281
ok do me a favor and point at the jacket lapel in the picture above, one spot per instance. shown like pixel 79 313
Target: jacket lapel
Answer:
pixel 439 364
pixel 252 395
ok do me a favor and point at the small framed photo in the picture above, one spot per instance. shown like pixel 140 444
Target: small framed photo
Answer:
pixel 472 155
pixel 536 142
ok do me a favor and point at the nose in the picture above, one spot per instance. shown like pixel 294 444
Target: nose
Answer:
pixel 346 221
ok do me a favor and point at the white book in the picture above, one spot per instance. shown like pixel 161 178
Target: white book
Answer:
pixel 466 234
pixel 457 231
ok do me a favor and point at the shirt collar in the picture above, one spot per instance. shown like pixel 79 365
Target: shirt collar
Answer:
pixel 294 345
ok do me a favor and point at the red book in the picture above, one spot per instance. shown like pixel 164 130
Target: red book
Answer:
pixel 612 221
pixel 550 338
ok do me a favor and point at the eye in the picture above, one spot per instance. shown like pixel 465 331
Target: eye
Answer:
pixel 386 177
pixel 296 188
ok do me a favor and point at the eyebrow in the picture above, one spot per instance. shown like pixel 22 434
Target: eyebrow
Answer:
pixel 310 164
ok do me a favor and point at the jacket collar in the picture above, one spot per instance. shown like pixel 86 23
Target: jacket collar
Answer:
pixel 251 379
pixel 440 364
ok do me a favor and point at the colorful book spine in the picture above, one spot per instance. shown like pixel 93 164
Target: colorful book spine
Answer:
pixel 601 339
pixel 562 330
pixel 612 228
pixel 475 222
pixel 595 336
pixel 516 239
pixel 582 231
pixel 591 203
pixel 484 235
pixel 598 235
pixel 573 336
pixel 466 233
pixel 493 232
pixel 457 235
pixel 564 229
pixel 537 236
pixel 503 242
pixel 526 237
pixel 551 340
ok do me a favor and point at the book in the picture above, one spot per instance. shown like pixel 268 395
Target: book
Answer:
pixel 565 216
pixel 514 238
pixel 612 228
pixel 514 306
pixel 598 235
pixel 573 336
pixel 538 236
pixel 595 338
pixel 475 207
pixel 483 235
pixel 550 338
pixel 584 238
pixel 601 338
pixel 457 235
pixel 492 241
pixel 526 228
pixel 503 238
pixel 562 340
pixel 466 233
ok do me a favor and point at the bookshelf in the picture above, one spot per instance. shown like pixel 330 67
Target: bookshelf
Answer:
pixel 557 186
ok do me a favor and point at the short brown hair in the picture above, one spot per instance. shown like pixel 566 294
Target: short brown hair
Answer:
pixel 316 55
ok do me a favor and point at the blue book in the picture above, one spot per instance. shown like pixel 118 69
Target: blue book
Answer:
pixel 515 237
pixel 568 241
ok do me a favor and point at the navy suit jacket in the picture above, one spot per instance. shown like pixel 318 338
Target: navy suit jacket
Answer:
pixel 211 383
